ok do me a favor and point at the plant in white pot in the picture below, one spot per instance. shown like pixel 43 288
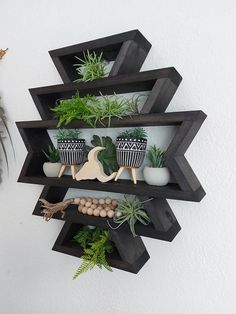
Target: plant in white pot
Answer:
pixel 158 174
pixel 53 166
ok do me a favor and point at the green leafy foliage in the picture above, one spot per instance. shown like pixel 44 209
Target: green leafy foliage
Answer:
pixel 137 132
pixel 131 210
pixel 91 109
pixel 96 244
pixel 91 67
pixel 156 157
pixel 52 154
pixel 107 156
pixel 76 107
pixel 64 134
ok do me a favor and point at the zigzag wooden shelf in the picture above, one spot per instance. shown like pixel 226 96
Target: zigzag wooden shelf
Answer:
pixel 129 253
pixel 162 85
pixel 127 51
pixel 164 225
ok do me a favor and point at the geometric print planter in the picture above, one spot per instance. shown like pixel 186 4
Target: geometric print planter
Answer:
pixel 71 152
pixel 130 151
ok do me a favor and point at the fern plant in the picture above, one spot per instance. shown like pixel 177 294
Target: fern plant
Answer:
pixel 52 154
pixel 91 67
pixel 156 157
pixel 130 210
pixel 96 244
pixel 135 133
pixel 107 156
pixel 76 107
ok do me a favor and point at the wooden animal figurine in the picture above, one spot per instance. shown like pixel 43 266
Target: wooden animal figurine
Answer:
pixel 2 53
pixel 93 168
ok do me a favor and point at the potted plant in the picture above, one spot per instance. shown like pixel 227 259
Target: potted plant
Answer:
pixel 158 174
pixel 130 210
pixel 130 150
pixel 91 67
pixel 70 146
pixel 53 166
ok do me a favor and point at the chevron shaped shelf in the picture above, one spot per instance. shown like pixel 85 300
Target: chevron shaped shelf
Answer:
pixel 129 254
pixel 127 51
pixel 162 85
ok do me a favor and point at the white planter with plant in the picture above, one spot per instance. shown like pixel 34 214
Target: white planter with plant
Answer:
pixel 157 174
pixel 52 167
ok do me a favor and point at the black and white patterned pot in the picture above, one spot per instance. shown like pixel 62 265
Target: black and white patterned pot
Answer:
pixel 130 151
pixel 71 152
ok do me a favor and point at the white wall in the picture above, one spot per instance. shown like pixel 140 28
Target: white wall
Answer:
pixel 196 273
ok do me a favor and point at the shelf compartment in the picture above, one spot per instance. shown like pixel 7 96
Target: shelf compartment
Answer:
pixel 129 253
pixel 128 50
pixel 164 225
pixel 162 85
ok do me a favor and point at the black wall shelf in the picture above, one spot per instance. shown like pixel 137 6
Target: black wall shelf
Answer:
pixel 127 51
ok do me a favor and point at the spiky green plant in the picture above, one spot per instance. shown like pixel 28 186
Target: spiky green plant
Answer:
pixel 130 210
pixel 109 107
pixel 107 156
pixel 136 133
pixel 156 157
pixel 52 154
pixel 76 107
pixel 96 244
pixel 64 134
pixel 91 67
pixel 3 121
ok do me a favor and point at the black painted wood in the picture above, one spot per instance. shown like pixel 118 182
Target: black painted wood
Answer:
pixel 187 185
pixel 129 253
pixel 127 50
pixel 164 225
pixel 162 85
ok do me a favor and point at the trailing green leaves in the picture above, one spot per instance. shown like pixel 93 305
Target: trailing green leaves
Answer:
pixel 96 244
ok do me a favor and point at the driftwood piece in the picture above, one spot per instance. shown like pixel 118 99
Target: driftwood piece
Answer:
pixel 49 209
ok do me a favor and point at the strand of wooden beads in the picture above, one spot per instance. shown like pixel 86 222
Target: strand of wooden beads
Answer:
pixel 103 207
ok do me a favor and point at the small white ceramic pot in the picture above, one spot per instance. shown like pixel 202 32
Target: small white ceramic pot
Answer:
pixel 156 176
pixel 51 169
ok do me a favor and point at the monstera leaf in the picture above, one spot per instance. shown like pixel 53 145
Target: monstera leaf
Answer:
pixel 108 156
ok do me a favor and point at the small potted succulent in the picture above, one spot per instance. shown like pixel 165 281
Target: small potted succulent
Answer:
pixel 158 174
pixel 70 146
pixel 53 166
pixel 131 148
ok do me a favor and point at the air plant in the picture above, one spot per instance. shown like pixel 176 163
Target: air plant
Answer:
pixel 3 121
pixel 91 67
pixel 130 210
pixel 64 134
pixel 135 133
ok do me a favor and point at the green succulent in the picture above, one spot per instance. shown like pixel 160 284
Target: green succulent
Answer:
pixel 130 210
pixel 52 154
pixel 96 244
pixel 91 67
pixel 136 133
pixel 107 156
pixel 156 157
pixel 64 134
